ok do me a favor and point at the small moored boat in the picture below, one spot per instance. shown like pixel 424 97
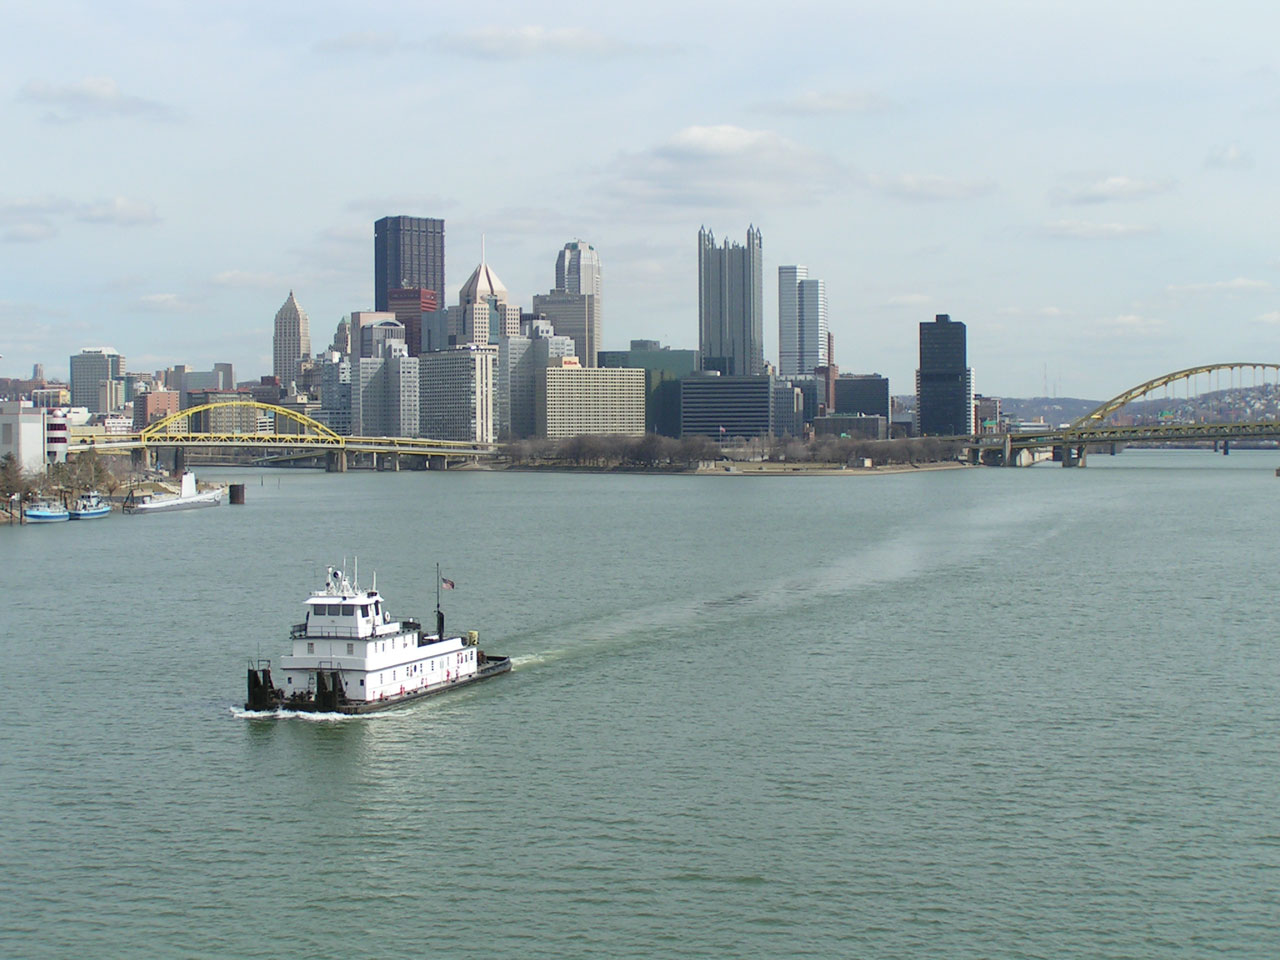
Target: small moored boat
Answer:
pixel 90 506
pixel 46 511
pixel 350 656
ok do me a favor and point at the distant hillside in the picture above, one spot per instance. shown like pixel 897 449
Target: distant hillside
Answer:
pixel 1054 410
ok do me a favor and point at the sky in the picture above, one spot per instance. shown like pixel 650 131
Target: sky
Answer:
pixel 1089 186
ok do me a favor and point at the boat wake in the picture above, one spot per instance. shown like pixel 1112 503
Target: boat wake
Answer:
pixel 241 714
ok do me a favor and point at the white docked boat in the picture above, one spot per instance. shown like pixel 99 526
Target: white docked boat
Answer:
pixel 189 498
pixel 90 506
pixel 350 656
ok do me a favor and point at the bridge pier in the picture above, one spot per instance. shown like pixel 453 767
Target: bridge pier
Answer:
pixel 335 461
pixel 179 461
pixel 386 461
pixel 437 462
pixel 1226 448
pixel 1082 454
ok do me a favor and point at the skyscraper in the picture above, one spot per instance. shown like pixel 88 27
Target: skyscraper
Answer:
pixel 483 314
pixel 407 252
pixel 89 368
pixel 574 306
pixel 944 382
pixel 292 342
pixel 802 322
pixel 731 305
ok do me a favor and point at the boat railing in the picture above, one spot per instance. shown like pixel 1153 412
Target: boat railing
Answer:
pixel 297 630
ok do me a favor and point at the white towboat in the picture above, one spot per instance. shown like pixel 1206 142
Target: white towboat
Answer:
pixel 350 656
pixel 187 499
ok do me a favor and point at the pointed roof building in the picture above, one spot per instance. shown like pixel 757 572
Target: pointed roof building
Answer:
pixel 292 342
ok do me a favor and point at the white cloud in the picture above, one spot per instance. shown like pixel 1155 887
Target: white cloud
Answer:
pixel 29 231
pixel 723 165
pixel 92 97
pixel 1272 318
pixel 1238 285
pixel 1088 230
pixel 812 103
pixel 929 186
pixel 31 219
pixel 165 303
pixel 1230 157
pixel 1111 189
pixel 518 43
pixel 119 211
pixel 1129 323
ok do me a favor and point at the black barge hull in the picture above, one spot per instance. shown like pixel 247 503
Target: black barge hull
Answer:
pixel 330 699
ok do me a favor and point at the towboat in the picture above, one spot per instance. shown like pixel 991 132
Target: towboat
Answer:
pixel 90 506
pixel 351 656
pixel 46 511
pixel 187 499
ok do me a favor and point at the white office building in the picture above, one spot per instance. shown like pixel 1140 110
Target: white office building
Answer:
pixel 802 322
pixel 456 393
pixel 519 361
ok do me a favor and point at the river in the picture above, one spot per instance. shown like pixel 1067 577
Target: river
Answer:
pixel 967 713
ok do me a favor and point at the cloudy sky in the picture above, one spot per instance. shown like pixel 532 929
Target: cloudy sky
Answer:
pixel 1089 186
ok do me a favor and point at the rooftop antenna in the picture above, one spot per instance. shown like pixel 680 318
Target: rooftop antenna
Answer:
pixel 482 248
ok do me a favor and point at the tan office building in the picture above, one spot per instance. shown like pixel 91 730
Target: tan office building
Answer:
pixel 573 400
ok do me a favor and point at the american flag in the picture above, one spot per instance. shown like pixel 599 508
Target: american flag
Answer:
pixel 446 583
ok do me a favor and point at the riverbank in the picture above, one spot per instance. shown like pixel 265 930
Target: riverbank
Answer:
pixel 771 469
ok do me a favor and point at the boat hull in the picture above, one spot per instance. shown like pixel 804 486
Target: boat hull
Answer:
pixel 46 516
pixel 494 667
pixel 177 503
pixel 93 513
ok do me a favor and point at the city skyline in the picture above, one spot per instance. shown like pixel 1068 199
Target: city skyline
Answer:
pixel 1094 225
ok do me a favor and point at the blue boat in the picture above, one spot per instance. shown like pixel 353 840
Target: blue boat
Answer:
pixel 90 506
pixel 44 511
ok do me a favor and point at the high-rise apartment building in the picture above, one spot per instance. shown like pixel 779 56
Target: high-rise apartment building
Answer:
pixel 802 322
pixel 944 382
pixel 89 368
pixel 731 305
pixel 292 343
pixel 408 252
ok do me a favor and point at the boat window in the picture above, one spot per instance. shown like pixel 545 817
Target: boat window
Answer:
pixel 311 648
pixel 351 648
pixel 364 609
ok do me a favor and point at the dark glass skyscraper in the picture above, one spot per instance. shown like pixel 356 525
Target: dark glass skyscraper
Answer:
pixel 944 383
pixel 407 252
pixel 731 305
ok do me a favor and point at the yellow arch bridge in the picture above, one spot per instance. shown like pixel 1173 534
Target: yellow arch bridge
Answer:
pixel 1070 443
pixel 294 435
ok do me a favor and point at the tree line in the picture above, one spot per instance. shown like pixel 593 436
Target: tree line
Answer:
pixel 655 452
